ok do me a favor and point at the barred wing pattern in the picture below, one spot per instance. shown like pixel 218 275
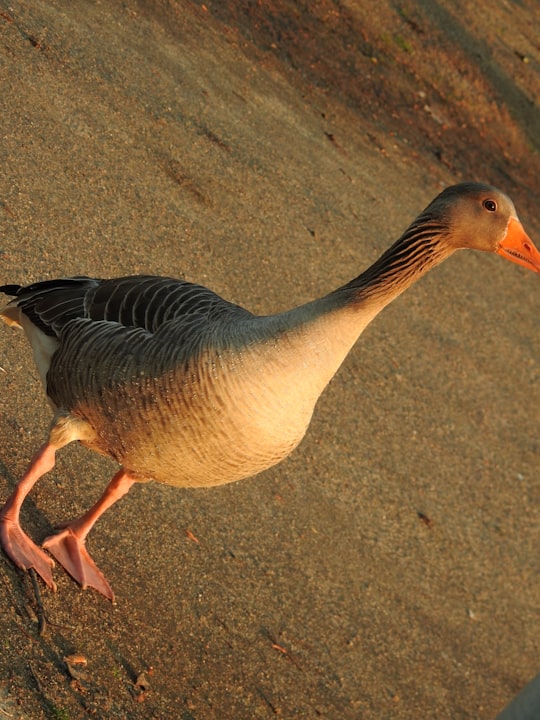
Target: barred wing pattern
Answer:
pixel 141 301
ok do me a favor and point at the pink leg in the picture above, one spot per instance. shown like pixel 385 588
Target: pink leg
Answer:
pixel 15 543
pixel 68 545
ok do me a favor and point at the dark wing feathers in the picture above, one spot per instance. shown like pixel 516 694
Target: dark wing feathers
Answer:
pixel 139 301
pixel 46 302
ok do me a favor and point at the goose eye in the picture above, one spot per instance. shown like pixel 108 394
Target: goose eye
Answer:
pixel 490 205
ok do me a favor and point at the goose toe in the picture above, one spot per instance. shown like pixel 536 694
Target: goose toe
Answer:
pixel 24 553
pixel 70 552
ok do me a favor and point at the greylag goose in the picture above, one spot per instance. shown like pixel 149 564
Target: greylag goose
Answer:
pixel 182 387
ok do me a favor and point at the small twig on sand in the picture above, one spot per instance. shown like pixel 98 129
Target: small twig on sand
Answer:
pixel 36 679
pixel 39 603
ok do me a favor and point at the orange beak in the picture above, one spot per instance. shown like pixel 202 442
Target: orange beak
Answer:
pixel 518 247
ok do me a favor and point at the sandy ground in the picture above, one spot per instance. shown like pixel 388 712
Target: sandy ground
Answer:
pixel 389 568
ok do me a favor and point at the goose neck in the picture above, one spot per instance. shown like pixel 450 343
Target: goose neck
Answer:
pixel 420 248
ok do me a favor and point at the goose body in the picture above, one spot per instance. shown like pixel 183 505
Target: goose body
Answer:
pixel 180 386
pixel 228 392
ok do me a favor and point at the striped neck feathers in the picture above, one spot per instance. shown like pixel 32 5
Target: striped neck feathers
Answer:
pixel 421 247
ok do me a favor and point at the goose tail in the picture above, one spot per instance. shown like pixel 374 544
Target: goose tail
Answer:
pixel 11 290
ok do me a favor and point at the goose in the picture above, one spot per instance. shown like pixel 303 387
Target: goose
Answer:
pixel 180 386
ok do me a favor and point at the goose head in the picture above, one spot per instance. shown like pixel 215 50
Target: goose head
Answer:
pixel 481 217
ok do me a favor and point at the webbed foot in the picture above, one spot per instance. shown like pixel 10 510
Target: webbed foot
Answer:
pixel 24 552
pixel 70 551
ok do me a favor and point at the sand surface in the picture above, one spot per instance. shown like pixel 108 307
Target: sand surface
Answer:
pixel 390 567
